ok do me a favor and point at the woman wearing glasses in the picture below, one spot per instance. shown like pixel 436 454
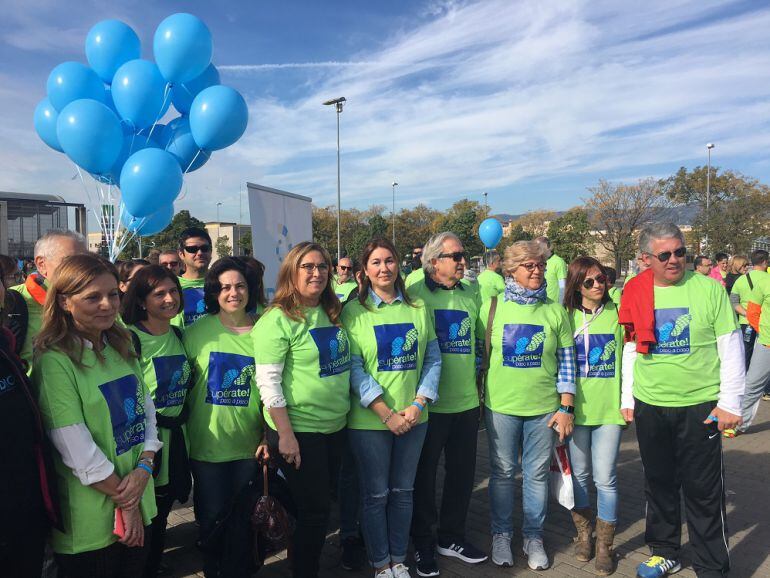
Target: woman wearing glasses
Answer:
pixel 303 373
pixel 396 365
pixel 595 439
pixel 530 390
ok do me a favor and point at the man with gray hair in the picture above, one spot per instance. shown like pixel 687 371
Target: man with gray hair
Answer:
pixel 555 272
pixel 491 282
pixel 683 382
pixel 454 418
pixel 50 250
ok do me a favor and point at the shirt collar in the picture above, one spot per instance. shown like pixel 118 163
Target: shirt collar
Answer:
pixel 433 285
pixel 377 300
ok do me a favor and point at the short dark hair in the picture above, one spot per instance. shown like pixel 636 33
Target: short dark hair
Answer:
pixel 759 256
pixel 144 283
pixel 612 275
pixel 721 257
pixel 212 287
pixel 256 269
pixel 698 261
pixel 192 232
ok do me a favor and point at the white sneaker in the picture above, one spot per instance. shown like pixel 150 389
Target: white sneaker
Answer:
pixel 536 556
pixel 387 573
pixel 501 550
pixel 400 571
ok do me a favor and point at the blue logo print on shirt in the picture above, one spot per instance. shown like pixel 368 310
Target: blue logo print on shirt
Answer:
pixel 333 350
pixel 453 330
pixel 194 306
pixel 601 355
pixel 230 378
pixel 396 346
pixel 125 401
pixel 672 331
pixel 172 374
pixel 523 345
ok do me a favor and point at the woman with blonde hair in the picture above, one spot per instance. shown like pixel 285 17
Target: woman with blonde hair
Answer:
pixel 101 420
pixel 302 358
pixel 530 390
pixel 738 266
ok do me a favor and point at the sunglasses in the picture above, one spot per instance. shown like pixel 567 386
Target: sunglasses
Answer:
pixel 310 267
pixel 192 249
pixel 344 268
pixel 666 255
pixel 589 282
pixel 532 266
pixel 457 256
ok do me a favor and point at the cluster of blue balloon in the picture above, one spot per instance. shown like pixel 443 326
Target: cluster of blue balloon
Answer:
pixel 105 117
pixel 490 232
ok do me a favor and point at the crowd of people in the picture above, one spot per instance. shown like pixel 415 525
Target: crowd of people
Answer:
pixel 127 389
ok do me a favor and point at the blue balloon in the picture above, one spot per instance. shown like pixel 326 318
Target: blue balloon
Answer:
pixel 218 117
pixel 139 93
pixel 150 225
pixel 133 142
pixel 182 95
pixel 73 81
pixel 180 143
pixel 109 45
pixel 45 124
pixel 490 232
pixel 90 134
pixel 156 140
pixel 150 178
pixel 182 47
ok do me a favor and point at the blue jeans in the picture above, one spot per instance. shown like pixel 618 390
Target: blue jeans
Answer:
pixel 387 465
pixel 507 433
pixel 593 451
pixel 348 495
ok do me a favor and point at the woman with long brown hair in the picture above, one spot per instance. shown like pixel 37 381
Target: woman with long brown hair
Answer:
pixel 396 365
pixel 303 372
pixel 101 420
pixel 595 439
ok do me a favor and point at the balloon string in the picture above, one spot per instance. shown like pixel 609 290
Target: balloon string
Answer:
pixel 166 94
pixel 192 162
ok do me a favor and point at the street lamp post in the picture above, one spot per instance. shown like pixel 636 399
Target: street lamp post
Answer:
pixel 709 146
pixel 393 185
pixel 338 102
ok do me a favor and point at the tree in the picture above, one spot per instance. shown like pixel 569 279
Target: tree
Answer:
pixel 463 219
pixel 222 246
pixel 517 233
pixel 618 211
pixel 570 234
pixel 245 243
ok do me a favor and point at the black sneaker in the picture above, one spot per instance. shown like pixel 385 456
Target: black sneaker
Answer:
pixel 426 562
pixel 466 552
pixel 353 554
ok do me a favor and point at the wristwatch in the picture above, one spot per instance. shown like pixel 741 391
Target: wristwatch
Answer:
pixel 149 461
pixel 567 409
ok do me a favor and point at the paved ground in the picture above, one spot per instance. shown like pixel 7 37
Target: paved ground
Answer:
pixel 747 477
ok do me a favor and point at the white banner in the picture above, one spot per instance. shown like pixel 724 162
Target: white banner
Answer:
pixel 279 220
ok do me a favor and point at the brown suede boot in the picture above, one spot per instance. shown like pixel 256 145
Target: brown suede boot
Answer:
pixel 582 517
pixel 605 559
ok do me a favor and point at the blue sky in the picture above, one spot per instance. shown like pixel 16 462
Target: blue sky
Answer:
pixel 531 101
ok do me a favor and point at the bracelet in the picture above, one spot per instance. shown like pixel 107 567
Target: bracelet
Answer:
pixel 567 409
pixel 418 405
pixel 145 467
pixel 390 415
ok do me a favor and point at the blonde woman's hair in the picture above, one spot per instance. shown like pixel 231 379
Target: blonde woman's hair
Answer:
pixel 58 332
pixel 522 251
pixel 737 262
pixel 286 294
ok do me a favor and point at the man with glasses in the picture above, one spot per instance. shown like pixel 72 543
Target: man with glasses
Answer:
pixel 344 283
pixel 454 418
pixel 683 390
pixel 417 274
pixel 170 260
pixel 195 253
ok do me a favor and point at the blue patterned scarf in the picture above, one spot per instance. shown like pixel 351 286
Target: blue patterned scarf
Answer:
pixel 523 296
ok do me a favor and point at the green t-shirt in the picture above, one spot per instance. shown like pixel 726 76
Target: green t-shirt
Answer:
pixel 108 398
pixel 414 277
pixel 454 314
pixel 599 355
pixel 343 290
pixel 555 271
pixel 167 374
pixel 743 291
pixel 391 340
pixel 34 322
pixel 615 295
pixel 316 371
pixel 761 296
pixel 523 364
pixel 194 307
pixel 225 423
pixel 491 284
pixel 682 368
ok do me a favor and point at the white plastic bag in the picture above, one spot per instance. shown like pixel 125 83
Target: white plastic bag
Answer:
pixel 561 477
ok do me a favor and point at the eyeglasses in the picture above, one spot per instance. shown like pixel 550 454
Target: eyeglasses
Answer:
pixel 457 256
pixel 344 268
pixel 666 255
pixel 588 283
pixel 192 249
pixel 532 266
pixel 310 267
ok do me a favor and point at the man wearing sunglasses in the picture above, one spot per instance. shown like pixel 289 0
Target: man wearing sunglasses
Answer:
pixel 417 274
pixel 453 420
pixel 195 253
pixel 682 394
pixel 344 283
pixel 171 261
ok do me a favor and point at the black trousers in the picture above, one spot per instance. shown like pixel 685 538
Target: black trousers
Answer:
pixel 164 500
pixel 455 435
pixel 310 488
pixel 680 452
pixel 114 561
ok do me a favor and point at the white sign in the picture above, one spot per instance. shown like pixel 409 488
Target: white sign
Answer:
pixel 279 220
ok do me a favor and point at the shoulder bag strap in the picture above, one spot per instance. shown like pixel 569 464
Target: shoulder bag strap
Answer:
pixel 748 279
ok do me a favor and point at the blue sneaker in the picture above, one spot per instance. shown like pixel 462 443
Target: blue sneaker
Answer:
pixel 656 566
